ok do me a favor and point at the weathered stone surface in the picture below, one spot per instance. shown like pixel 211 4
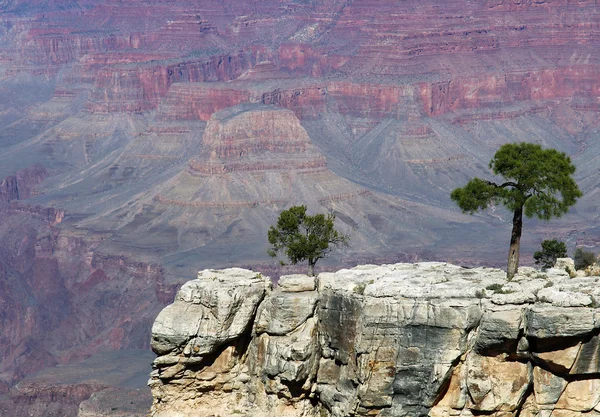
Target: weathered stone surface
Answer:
pixel 547 386
pixel 566 264
pixel 291 358
pixel 218 307
pixel 455 397
pixel 580 395
pixel 282 312
pixel 545 321
pixel 388 341
pixel 563 298
pixel 588 359
pixel 499 326
pixel 496 384
pixel 517 297
pixel 559 358
pixel 296 283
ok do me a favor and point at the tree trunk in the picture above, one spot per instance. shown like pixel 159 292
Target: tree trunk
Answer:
pixel 311 268
pixel 515 243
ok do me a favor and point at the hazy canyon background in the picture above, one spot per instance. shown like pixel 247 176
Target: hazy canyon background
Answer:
pixel 141 141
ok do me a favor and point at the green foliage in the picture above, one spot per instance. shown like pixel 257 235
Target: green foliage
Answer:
pixel 302 237
pixel 551 250
pixel 360 288
pixel 583 259
pixel 494 287
pixel 539 180
pixel 476 195
pixel 498 289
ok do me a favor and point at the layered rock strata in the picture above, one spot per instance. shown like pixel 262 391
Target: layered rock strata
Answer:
pixel 237 139
pixel 393 340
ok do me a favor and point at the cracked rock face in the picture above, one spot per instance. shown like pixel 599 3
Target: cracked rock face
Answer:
pixel 393 340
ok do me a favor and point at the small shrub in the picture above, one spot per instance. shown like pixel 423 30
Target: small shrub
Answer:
pixel 494 287
pixel 551 250
pixel 548 284
pixel 300 237
pixel 497 288
pixel 583 259
pixel 480 294
pixel 360 288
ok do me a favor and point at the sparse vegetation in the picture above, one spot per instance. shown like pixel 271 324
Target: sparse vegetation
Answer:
pixel 538 182
pixel 551 251
pixel 583 259
pixel 572 274
pixel 498 289
pixel 302 237
pixel 494 287
pixel 360 288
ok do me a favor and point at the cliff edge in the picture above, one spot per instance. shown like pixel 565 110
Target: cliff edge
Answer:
pixel 393 340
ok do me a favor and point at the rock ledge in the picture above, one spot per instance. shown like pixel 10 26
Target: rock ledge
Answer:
pixel 391 340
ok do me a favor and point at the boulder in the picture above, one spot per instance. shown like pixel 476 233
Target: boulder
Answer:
pixel 216 308
pixel 547 386
pixel 498 327
pixel 496 384
pixel 559 360
pixel 546 321
pixel 565 264
pixel 283 312
pixel 296 283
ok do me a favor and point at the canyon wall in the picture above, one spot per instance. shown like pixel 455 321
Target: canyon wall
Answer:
pixel 393 340
pixel 62 301
pixel 140 139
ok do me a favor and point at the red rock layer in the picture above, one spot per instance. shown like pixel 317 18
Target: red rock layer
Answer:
pixel 307 100
pixel 198 101
pixel 582 81
pixel 46 400
pixel 255 138
pixel 425 38
pixel 305 59
pixel 136 88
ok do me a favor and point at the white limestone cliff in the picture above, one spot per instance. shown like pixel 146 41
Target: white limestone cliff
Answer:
pixel 393 340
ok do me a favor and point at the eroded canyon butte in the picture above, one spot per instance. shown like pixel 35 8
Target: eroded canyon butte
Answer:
pixel 142 140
